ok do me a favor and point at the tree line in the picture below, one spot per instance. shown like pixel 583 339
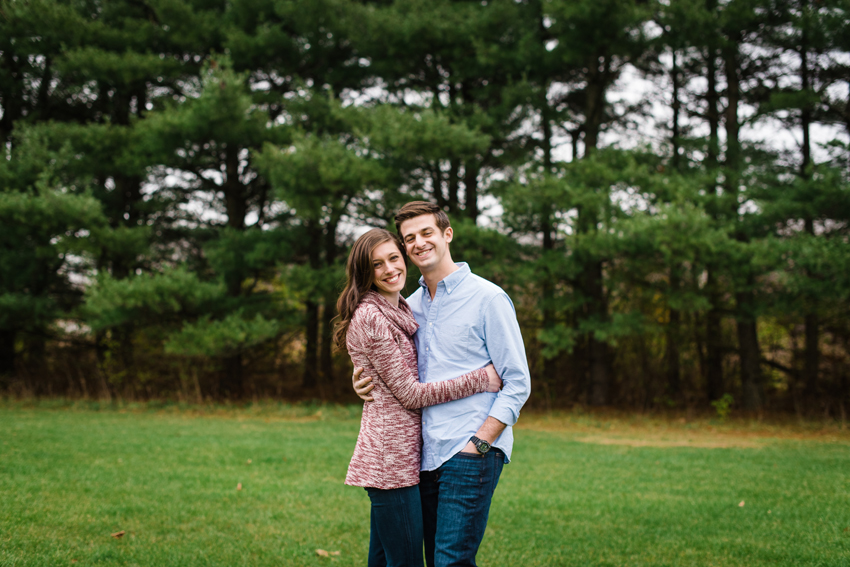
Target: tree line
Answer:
pixel 660 185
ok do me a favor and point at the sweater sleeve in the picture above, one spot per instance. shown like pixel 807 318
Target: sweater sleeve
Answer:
pixel 388 361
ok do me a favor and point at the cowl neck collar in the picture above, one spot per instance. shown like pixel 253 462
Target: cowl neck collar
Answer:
pixel 401 316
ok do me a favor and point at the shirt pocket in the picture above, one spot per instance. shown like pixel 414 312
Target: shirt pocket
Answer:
pixel 454 344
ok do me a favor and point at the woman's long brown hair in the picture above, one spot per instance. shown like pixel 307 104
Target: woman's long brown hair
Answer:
pixel 360 278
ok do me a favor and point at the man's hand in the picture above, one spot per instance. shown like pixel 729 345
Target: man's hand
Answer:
pixel 363 386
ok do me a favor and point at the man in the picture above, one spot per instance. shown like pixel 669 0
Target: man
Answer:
pixel 465 322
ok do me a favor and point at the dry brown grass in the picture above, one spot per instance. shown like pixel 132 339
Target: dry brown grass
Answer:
pixel 643 430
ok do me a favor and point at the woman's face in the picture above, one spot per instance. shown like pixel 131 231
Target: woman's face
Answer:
pixel 389 269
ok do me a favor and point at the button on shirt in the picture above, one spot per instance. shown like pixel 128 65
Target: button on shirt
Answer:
pixel 469 323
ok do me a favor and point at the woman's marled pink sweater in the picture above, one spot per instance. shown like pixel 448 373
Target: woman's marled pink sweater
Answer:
pixel 380 339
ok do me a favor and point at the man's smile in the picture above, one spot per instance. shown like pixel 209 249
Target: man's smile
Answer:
pixel 423 253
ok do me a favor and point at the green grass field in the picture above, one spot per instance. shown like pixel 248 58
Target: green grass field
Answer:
pixel 581 491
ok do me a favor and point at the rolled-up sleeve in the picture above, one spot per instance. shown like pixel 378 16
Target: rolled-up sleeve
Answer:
pixel 507 351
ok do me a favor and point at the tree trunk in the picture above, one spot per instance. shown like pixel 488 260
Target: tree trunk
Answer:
pixel 315 251
pixel 100 347
pixel 811 364
pixel 750 353
pixel 714 353
pixel 231 384
pixel 676 107
pixel 437 182
pixel 748 346
pixel 811 357
pixel 234 192
pixel 43 98
pixel 594 108
pixel 600 386
pixel 326 344
pixel 7 355
pixel 732 124
pixel 547 288
pixel 671 356
pixel 470 183
pixel 128 214
pixel 712 98
pixel 713 322
pixel 593 281
pixel 141 101
pixel 811 354
pixel 122 335
pixel 454 178
pixel 126 352
pixel 311 339
pixel 329 309
pixel 600 380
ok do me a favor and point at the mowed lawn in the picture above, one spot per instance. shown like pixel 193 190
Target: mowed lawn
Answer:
pixel 579 492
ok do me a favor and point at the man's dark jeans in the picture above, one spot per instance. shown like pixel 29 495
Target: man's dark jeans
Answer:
pixel 455 505
pixel 395 537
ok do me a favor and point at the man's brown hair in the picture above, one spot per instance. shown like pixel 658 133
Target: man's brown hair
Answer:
pixel 415 209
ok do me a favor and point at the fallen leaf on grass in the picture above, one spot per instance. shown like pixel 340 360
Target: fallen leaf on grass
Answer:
pixel 73 560
pixel 249 461
pixel 119 535
pixel 741 505
pixel 239 486
pixel 323 553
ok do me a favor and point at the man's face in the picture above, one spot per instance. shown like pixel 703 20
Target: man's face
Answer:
pixel 426 246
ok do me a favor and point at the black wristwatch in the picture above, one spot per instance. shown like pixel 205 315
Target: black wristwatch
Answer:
pixel 480 444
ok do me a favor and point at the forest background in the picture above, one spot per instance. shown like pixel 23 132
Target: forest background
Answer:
pixel 661 187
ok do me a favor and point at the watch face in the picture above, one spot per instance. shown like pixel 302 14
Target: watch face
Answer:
pixel 483 446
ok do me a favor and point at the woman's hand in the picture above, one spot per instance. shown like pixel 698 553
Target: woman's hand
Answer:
pixel 363 386
pixel 495 382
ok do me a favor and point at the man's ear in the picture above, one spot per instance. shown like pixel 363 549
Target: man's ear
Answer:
pixel 449 234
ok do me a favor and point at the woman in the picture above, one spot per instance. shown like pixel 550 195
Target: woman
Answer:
pixel 376 327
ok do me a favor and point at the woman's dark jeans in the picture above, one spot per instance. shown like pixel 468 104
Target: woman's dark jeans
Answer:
pixel 395 538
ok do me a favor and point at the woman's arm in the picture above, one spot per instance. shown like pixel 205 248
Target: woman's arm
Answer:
pixel 388 361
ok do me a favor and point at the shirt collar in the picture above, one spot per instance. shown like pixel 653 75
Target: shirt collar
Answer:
pixel 452 280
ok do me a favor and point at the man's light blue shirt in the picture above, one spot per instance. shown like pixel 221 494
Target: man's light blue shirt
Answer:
pixel 469 323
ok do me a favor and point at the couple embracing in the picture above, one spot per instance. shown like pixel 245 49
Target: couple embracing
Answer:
pixel 453 349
